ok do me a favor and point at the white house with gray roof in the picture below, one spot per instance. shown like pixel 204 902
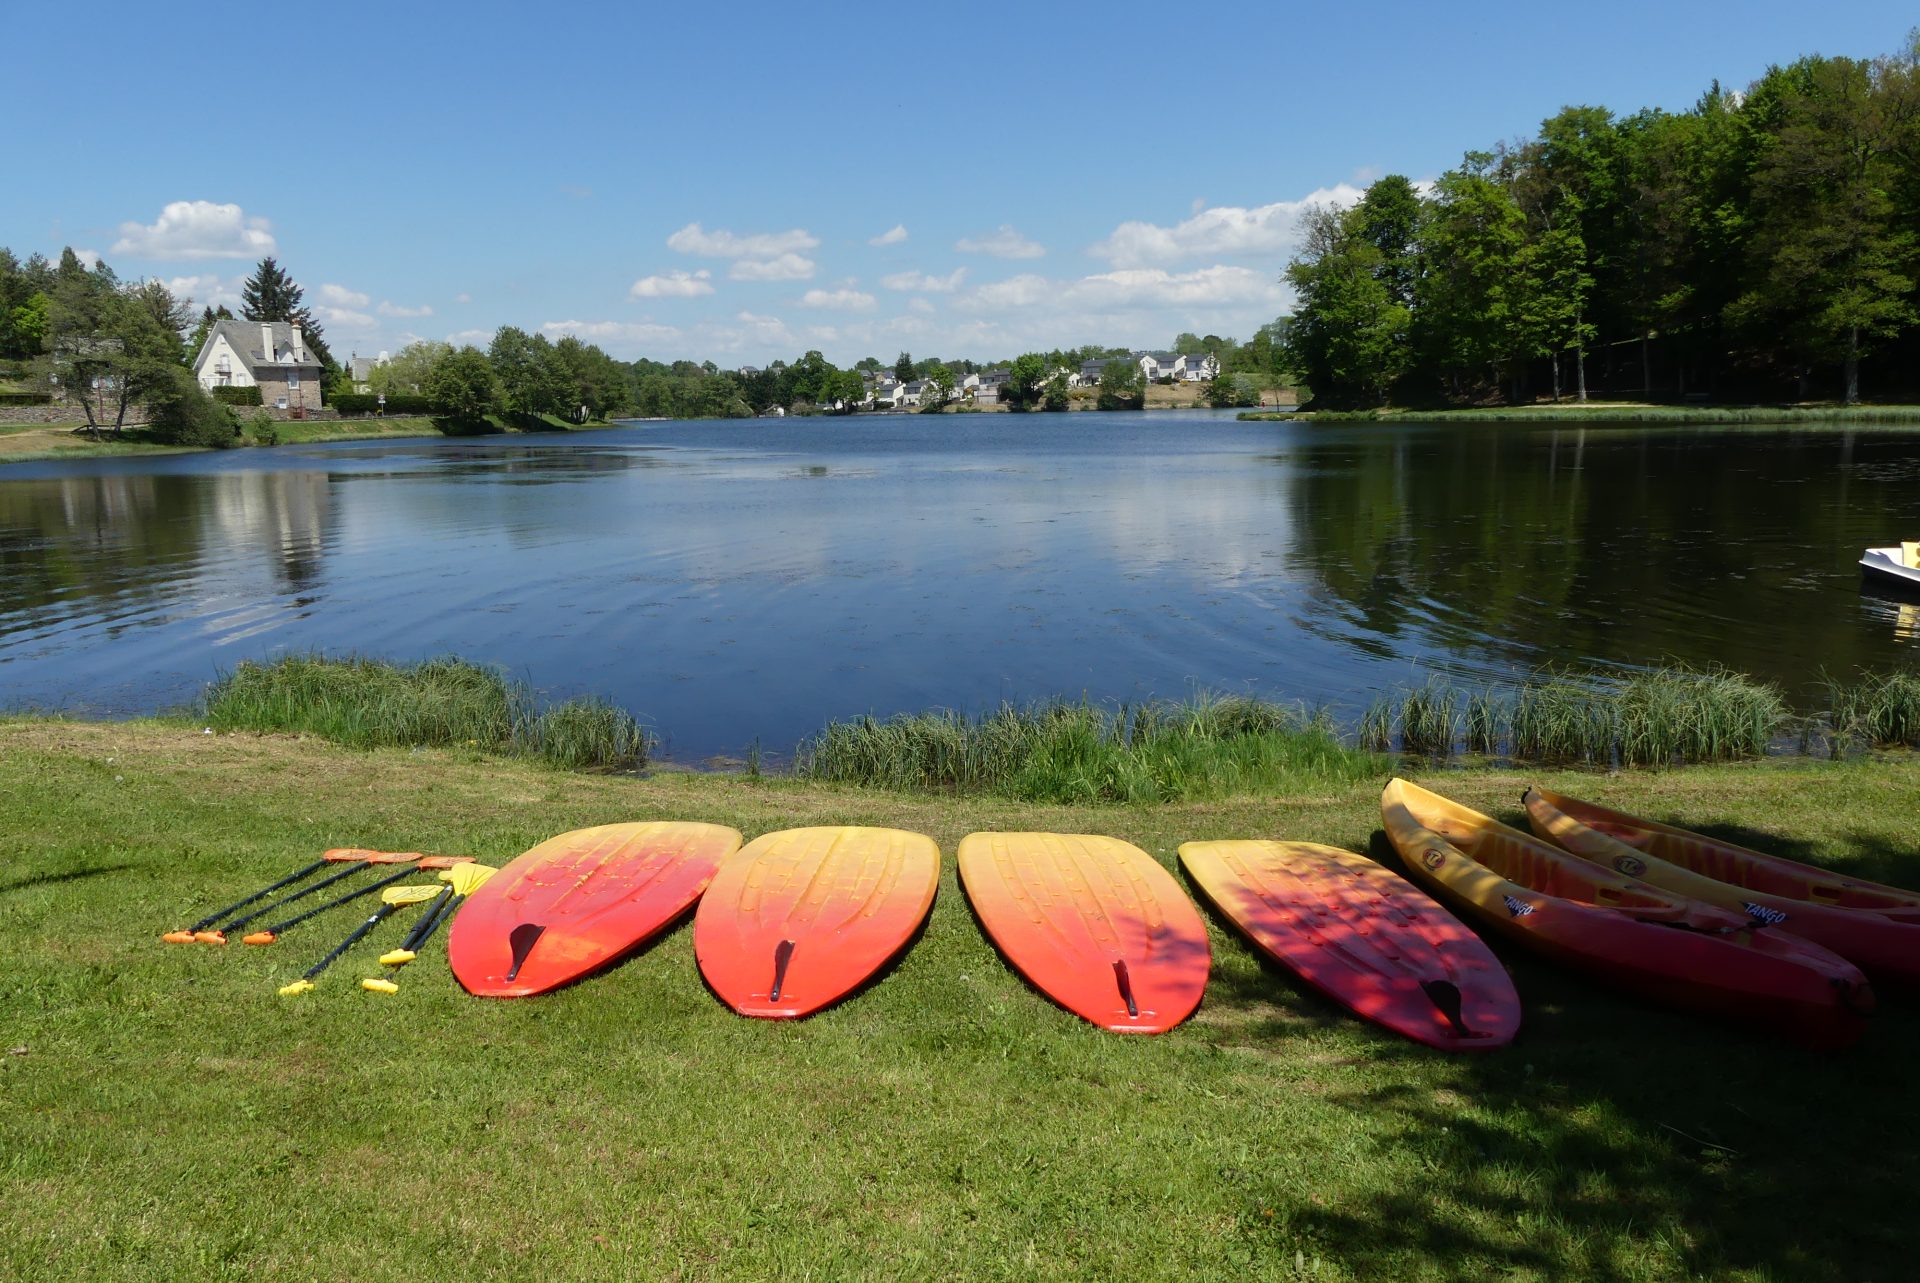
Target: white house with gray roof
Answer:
pixel 270 355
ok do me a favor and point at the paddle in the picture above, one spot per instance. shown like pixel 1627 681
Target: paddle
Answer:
pixel 462 881
pixel 269 934
pixel 186 936
pixel 356 859
pixel 391 899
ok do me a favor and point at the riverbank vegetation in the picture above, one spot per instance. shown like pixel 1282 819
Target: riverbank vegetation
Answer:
pixel 953 1120
pixel 1759 247
pixel 369 703
pixel 1065 752
pixel 1612 415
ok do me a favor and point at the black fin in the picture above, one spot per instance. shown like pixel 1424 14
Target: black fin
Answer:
pixel 1445 995
pixel 521 940
pixel 1126 987
pixel 782 955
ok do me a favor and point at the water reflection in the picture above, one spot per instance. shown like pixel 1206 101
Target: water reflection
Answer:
pixel 738 581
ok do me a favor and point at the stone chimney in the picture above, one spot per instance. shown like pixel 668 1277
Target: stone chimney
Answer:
pixel 299 344
pixel 266 340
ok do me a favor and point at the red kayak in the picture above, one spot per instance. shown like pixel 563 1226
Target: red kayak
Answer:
pixel 803 917
pixel 1628 933
pixel 1094 923
pixel 1875 927
pixel 578 901
pixel 1363 936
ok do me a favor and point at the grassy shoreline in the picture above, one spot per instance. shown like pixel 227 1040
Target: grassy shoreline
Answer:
pixel 947 1119
pixel 36 442
pixel 1612 412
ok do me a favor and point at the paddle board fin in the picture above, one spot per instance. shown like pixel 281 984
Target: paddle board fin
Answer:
pixel 1445 996
pixel 1121 978
pixel 782 955
pixel 521 941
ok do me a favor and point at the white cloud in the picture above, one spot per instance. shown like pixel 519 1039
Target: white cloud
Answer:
pixel 87 257
pixel 1224 231
pixel 207 290
pixel 893 236
pixel 197 229
pixel 628 336
pixel 921 306
pixel 346 321
pixel 1002 242
pixel 403 313
pixel 478 338
pixel 694 239
pixel 843 299
pixel 1217 286
pixel 341 296
pixel 673 285
pixel 783 267
pixel 923 282
pixel 463 297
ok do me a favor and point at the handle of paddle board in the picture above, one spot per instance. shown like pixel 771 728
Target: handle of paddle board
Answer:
pixel 521 941
pixel 397 957
pixel 379 986
pixel 1125 982
pixel 1445 996
pixel 259 937
pixel 782 955
pixel 298 986
pixel 178 937
pixel 210 937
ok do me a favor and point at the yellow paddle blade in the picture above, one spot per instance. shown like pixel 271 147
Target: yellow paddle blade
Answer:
pixel 397 957
pixel 380 986
pixel 468 878
pixel 410 895
pixel 298 986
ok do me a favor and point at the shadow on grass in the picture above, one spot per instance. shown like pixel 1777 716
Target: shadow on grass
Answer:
pixel 54 879
pixel 1612 1141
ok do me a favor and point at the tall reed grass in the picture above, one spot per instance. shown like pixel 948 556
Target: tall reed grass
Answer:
pixel 1062 751
pixel 1881 709
pixel 1660 717
pixel 372 703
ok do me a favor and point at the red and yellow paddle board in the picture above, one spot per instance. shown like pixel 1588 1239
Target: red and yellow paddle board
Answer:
pixel 802 917
pixel 1094 923
pixel 578 901
pixel 1363 936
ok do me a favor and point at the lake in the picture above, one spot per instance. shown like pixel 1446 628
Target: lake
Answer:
pixel 739 581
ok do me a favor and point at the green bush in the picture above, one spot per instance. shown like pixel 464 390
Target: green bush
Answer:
pixel 183 414
pixel 228 395
pixel 350 403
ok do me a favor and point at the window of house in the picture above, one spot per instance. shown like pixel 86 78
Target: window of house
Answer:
pixel 293 379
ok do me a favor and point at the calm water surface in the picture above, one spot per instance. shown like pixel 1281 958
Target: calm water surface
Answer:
pixel 729 582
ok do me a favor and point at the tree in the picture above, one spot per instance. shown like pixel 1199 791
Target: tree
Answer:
pixel 180 412
pixel 934 399
pixel 1388 218
pixel 532 379
pixel 270 294
pixel 106 347
pixel 903 367
pixel 1465 323
pixel 1122 386
pixel 461 384
pixel 1024 376
pixel 1348 339
pixel 23 330
pixel 1054 395
pixel 409 372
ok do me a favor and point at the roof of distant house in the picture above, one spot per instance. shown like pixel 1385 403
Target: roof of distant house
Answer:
pixel 244 338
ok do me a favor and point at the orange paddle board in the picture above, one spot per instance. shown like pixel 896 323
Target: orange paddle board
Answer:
pixel 1094 923
pixel 1364 936
pixel 578 901
pixel 802 917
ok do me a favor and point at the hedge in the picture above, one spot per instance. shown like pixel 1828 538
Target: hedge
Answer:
pixel 230 395
pixel 369 403
pixel 26 398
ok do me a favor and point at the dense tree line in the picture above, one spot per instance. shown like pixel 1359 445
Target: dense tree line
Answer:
pixel 1763 244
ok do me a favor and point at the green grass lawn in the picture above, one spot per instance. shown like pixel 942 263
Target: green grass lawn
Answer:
pixel 164 1114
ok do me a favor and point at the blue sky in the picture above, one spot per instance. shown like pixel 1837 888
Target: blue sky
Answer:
pixel 748 181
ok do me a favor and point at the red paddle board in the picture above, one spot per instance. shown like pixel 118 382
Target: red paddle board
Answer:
pixel 802 917
pixel 1363 936
pixel 578 901
pixel 1095 923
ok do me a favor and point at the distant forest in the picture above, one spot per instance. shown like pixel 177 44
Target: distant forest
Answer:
pixel 1764 245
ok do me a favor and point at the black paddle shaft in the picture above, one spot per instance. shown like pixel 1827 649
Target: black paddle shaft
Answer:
pixel 261 894
pixel 424 929
pixel 356 866
pixel 369 889
pixel 358 934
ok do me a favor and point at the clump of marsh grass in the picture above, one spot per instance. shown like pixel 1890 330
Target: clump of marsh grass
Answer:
pixel 1064 751
pixel 1676 714
pixel 372 703
pixel 1882 709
